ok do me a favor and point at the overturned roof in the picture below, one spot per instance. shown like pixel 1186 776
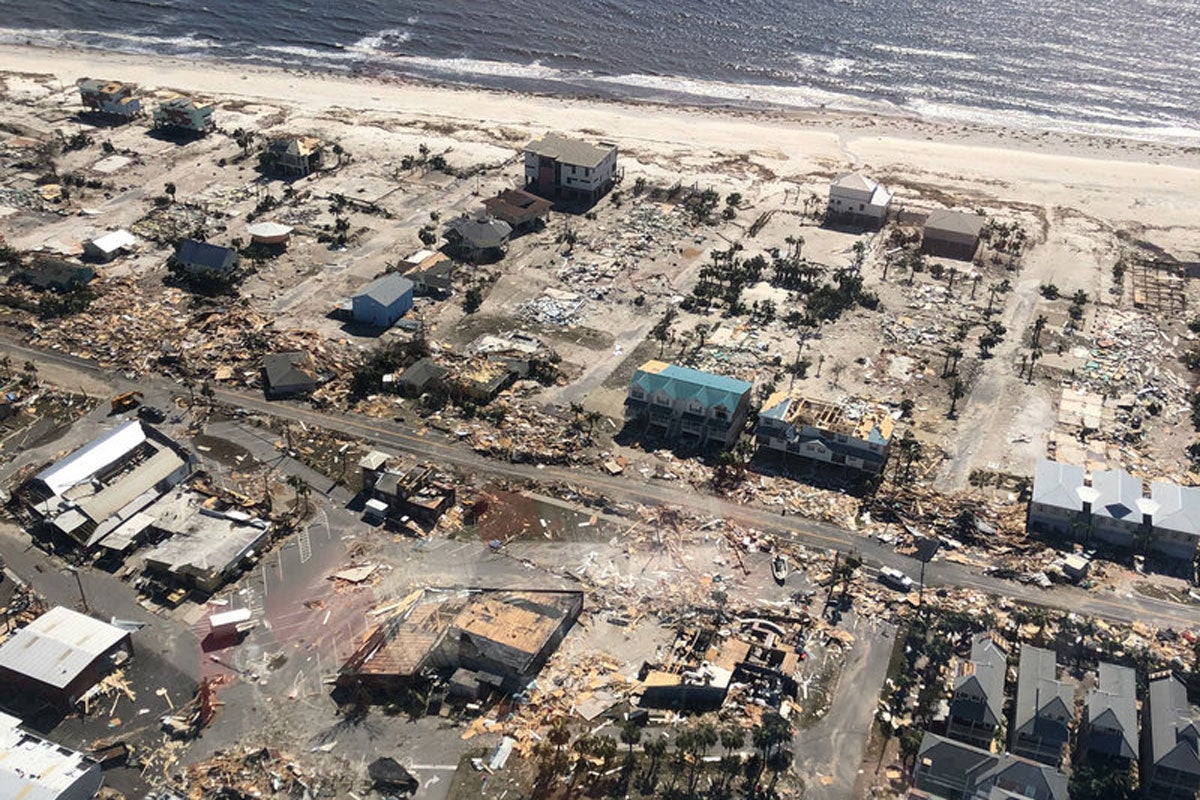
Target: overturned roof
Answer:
pixel 570 151
pixel 59 645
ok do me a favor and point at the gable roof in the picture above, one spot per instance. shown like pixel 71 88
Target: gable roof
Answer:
pixel 684 383
pixel 386 289
pixel 57 646
pixel 960 223
pixel 987 668
pixel 939 756
pixel 1038 687
pixel 203 254
pixel 1057 485
pixel 1118 495
pixel 1112 703
pixel 1021 777
pixel 1167 714
pixel 288 369
pixel 1178 507
pixel 570 151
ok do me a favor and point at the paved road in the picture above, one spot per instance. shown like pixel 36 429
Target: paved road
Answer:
pixel 440 448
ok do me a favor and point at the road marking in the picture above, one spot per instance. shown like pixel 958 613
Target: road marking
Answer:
pixel 439 767
pixel 305 546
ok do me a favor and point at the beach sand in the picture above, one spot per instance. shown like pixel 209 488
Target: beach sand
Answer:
pixel 1143 185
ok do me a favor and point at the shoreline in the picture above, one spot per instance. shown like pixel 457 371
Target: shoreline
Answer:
pixel 224 79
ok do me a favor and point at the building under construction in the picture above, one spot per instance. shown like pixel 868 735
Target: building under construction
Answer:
pixel 492 637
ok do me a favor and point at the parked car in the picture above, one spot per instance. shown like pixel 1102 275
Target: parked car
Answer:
pixel 895 579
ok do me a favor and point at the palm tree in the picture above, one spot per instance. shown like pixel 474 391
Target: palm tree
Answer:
pixel 732 738
pixel 631 734
pixel 777 762
pixel 957 392
pixel 592 417
pixel 656 748
pixel 1038 325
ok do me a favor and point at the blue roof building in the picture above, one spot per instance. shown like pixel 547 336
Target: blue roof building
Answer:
pixel 687 404
pixel 382 301
pixel 197 256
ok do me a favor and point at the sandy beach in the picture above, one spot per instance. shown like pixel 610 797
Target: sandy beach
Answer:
pixel 1145 183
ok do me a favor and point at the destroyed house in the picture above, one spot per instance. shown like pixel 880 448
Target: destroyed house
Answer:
pixel 61 655
pixel 855 198
pixel 109 97
pixel 959 771
pixel 853 434
pixel 1110 724
pixel 33 768
pixel 292 156
pixel 1175 525
pixel 421 492
pixel 203 547
pixel 1170 768
pixel 182 113
pixel 197 257
pixel 1056 505
pixel 977 702
pixel 288 375
pixel 505 634
pixel 423 376
pixel 383 301
pixel 521 210
pixel 55 274
pixel 482 378
pixel 477 238
pixel 952 234
pixel 687 404
pixel 103 484
pixel 1044 709
pixel 434 279
pixel 560 167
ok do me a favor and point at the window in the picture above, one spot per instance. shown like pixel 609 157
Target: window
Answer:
pixel 587 172
pixel 720 413
pixel 636 392
pixel 695 407
pixel 861 207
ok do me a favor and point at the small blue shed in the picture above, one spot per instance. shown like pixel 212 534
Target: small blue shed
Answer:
pixel 382 301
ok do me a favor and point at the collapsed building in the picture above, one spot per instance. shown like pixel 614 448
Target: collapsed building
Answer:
pixel 758 658
pixel 421 492
pixel 478 639
pixel 101 486
pixel 853 434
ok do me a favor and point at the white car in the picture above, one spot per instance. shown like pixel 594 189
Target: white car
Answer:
pixel 894 578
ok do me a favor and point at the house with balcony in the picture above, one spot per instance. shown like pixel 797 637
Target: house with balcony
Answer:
pixel 558 167
pixel 1057 506
pixel 1110 722
pixel 1119 510
pixel 111 98
pixel 853 433
pixel 687 405
pixel 184 114
pixel 1170 768
pixel 977 705
pixel 1044 710
pixel 951 770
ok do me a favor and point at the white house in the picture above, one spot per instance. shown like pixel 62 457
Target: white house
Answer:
pixel 560 167
pixel 855 198
pixel 853 433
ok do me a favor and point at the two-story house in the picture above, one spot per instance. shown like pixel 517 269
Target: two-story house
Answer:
pixel 559 167
pixel 977 705
pixel 1175 523
pixel 857 199
pixel 1170 768
pixel 959 771
pixel 1117 516
pixel 1056 505
pixel 686 404
pixel 852 433
pixel 112 98
pixel 1110 732
pixel 1044 710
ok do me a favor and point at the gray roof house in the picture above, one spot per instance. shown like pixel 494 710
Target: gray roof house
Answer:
pixel 288 375
pixel 952 234
pixel 196 256
pixel 1056 505
pixel 1110 715
pixel 1176 523
pixel 382 301
pixel 1117 513
pixel 1170 766
pixel 958 771
pixel 478 238
pixel 977 705
pixel 1044 710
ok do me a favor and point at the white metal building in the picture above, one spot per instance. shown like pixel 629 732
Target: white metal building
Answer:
pixel 32 768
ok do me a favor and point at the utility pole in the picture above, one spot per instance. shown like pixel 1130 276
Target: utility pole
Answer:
pixel 79 583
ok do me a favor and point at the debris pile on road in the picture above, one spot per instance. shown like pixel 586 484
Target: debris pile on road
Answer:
pixel 248 772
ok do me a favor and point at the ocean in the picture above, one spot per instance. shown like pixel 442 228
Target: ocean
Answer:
pixel 1118 67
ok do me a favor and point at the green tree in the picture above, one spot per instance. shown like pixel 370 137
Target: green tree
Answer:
pixel 631 734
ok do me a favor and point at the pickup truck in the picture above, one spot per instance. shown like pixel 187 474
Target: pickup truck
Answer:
pixel 895 579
